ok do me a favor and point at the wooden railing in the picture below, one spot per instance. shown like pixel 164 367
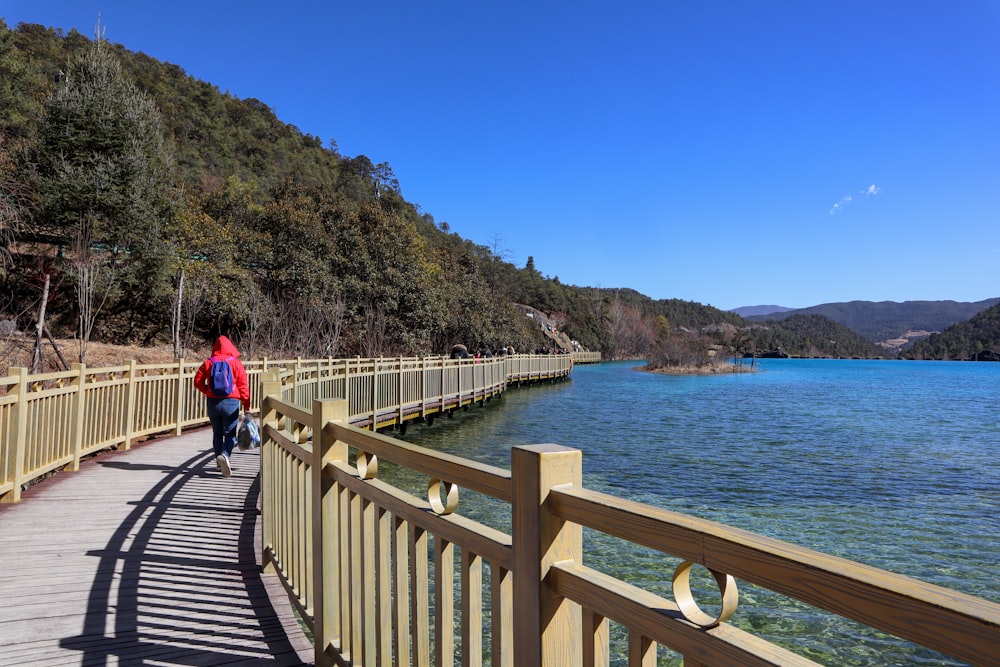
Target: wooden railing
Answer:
pixel 50 421
pixel 383 577
pixel 586 357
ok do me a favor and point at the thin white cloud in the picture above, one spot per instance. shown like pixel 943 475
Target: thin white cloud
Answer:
pixel 870 191
pixel 847 199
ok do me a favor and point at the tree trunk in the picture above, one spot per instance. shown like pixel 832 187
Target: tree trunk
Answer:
pixel 178 352
pixel 62 359
pixel 37 362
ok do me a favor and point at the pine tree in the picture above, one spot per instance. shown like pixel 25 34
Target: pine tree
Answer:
pixel 106 188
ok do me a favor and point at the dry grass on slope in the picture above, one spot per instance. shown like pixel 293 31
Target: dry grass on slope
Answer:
pixel 17 350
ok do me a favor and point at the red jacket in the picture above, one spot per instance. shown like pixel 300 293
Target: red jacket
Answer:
pixel 224 349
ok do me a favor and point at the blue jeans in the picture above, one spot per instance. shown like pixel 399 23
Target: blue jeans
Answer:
pixel 224 413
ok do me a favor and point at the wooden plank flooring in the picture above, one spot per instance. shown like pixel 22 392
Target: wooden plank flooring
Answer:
pixel 144 557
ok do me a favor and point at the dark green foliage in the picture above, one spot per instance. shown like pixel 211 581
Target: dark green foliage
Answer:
pixel 16 202
pixel 102 158
pixel 32 60
pixel 963 340
pixel 106 187
pixel 476 317
pixel 217 135
pixel 301 226
pixel 379 260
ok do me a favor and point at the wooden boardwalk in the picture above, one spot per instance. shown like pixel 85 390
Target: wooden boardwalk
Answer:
pixel 144 557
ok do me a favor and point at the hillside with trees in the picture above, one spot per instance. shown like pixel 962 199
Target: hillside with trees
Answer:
pixel 811 336
pixel 885 320
pixel 978 337
pixel 156 207
pixel 139 205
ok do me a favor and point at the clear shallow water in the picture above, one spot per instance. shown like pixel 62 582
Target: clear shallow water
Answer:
pixel 893 464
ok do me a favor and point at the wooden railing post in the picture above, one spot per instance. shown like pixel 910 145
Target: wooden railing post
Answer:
pixel 130 387
pixel 423 387
pixel 318 388
pixel 270 386
pixel 325 545
pixel 331 379
pixel 179 422
pixel 444 381
pixel 374 394
pixel 547 627
pixel 20 431
pixel 295 381
pixel 399 391
pixel 347 393
pixel 79 414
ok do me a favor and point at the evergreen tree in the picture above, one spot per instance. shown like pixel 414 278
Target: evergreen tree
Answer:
pixel 15 201
pixel 105 181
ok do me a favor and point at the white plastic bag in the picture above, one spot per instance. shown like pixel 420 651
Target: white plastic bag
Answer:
pixel 248 433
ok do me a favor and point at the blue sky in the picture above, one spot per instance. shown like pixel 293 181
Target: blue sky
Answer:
pixel 731 153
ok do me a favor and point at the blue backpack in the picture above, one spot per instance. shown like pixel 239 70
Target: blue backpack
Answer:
pixel 220 378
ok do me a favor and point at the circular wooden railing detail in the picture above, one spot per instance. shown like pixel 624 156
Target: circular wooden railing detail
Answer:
pixel 367 465
pixel 689 607
pixel 449 504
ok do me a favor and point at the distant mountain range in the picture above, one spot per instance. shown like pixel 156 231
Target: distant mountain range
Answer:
pixel 753 311
pixel 881 321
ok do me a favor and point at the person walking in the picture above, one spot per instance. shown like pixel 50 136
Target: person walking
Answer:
pixel 223 380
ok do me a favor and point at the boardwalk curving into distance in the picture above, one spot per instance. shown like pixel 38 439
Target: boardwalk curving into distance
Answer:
pixel 143 557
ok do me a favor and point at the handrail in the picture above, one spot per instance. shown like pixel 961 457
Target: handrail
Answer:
pixel 486 479
pixel 954 623
pixel 353 552
pixel 50 421
pixel 586 357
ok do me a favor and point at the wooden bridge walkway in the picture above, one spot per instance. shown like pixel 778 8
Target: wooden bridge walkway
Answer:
pixel 144 557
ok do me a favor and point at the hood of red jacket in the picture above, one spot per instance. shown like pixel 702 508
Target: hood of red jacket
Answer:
pixel 224 348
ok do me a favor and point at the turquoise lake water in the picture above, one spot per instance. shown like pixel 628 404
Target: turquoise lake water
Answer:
pixel 889 463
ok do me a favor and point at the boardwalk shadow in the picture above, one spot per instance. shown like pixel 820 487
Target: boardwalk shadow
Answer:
pixel 199 469
pixel 179 583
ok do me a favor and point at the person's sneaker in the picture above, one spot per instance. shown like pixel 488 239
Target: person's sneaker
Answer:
pixel 223 462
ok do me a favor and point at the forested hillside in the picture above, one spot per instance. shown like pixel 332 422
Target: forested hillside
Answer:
pixel 885 320
pixel 962 341
pixel 157 208
pixel 185 212
pixel 812 336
